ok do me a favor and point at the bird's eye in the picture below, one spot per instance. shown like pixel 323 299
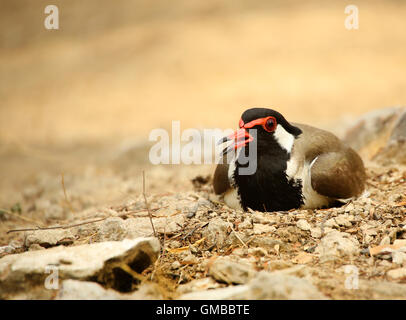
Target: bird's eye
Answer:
pixel 270 124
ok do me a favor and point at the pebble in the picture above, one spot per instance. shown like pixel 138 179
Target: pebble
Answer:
pixel 337 244
pixel 263 228
pixel 246 224
pixel 231 272
pixel 399 258
pixel 302 224
pixel 315 232
pixel 397 274
pixel 190 259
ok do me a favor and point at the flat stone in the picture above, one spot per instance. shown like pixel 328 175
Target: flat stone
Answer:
pixel 263 228
pixel 399 258
pixel 225 270
pixel 111 229
pixel 337 244
pixel 49 238
pixel 265 286
pixel 397 274
pixel 302 224
pixel 97 260
pixel 217 232
pixel 315 232
pixel 198 285
pixel 343 220
pixel 228 293
pixel 85 290
pixel 378 289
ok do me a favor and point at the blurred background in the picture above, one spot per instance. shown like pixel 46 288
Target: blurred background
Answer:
pixel 115 70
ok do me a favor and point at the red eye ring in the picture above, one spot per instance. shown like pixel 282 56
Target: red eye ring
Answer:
pixel 269 124
pixel 241 123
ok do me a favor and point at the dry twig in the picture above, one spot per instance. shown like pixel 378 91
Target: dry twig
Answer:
pixel 64 192
pixel 82 223
pixel 146 202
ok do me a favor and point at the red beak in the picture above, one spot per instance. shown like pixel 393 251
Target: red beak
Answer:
pixel 240 137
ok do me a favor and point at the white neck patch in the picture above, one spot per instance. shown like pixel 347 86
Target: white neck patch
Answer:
pixel 284 138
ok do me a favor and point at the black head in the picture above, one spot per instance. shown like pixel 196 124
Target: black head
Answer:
pixel 254 114
pixel 271 128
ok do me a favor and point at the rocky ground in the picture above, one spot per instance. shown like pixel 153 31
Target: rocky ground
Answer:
pixel 195 247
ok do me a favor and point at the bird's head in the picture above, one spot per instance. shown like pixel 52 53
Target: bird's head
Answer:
pixel 271 129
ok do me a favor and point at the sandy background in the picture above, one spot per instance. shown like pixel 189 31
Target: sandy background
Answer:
pixel 116 70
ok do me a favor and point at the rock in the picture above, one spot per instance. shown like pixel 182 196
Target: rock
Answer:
pixel 337 244
pixel 302 224
pixel 105 262
pixel 85 290
pixel 264 286
pixel 385 241
pixel 258 252
pixel 198 285
pixel 316 232
pixel 49 238
pixel 266 242
pixel 217 232
pixel 231 272
pixel 263 228
pixel 400 243
pixel 397 274
pixel 279 286
pixel 349 208
pixel 299 270
pixel 303 258
pixel 279 265
pixel 399 258
pixel 141 227
pixel 263 218
pixel 190 259
pixel 344 220
pixel 6 250
pixel 331 223
pixel 387 248
pixel 246 224
pixel 111 229
pixel 35 247
pixel 380 135
pixel 395 148
pixel 228 293
pixel 175 265
pixel 383 289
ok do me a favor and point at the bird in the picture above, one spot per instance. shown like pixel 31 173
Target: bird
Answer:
pixel 298 166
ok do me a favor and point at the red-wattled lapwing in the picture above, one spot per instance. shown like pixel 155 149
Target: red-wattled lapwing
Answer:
pixel 298 166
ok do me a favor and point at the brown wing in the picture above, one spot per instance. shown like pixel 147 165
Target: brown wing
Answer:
pixel 338 171
pixel 220 179
pixel 338 174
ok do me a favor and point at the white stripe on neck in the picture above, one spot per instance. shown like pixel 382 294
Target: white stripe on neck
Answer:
pixel 284 138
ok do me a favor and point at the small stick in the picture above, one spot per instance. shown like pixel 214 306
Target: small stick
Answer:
pixel 64 192
pixel 237 236
pixel 146 202
pixel 81 223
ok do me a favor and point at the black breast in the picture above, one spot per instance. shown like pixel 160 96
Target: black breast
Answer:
pixel 269 189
